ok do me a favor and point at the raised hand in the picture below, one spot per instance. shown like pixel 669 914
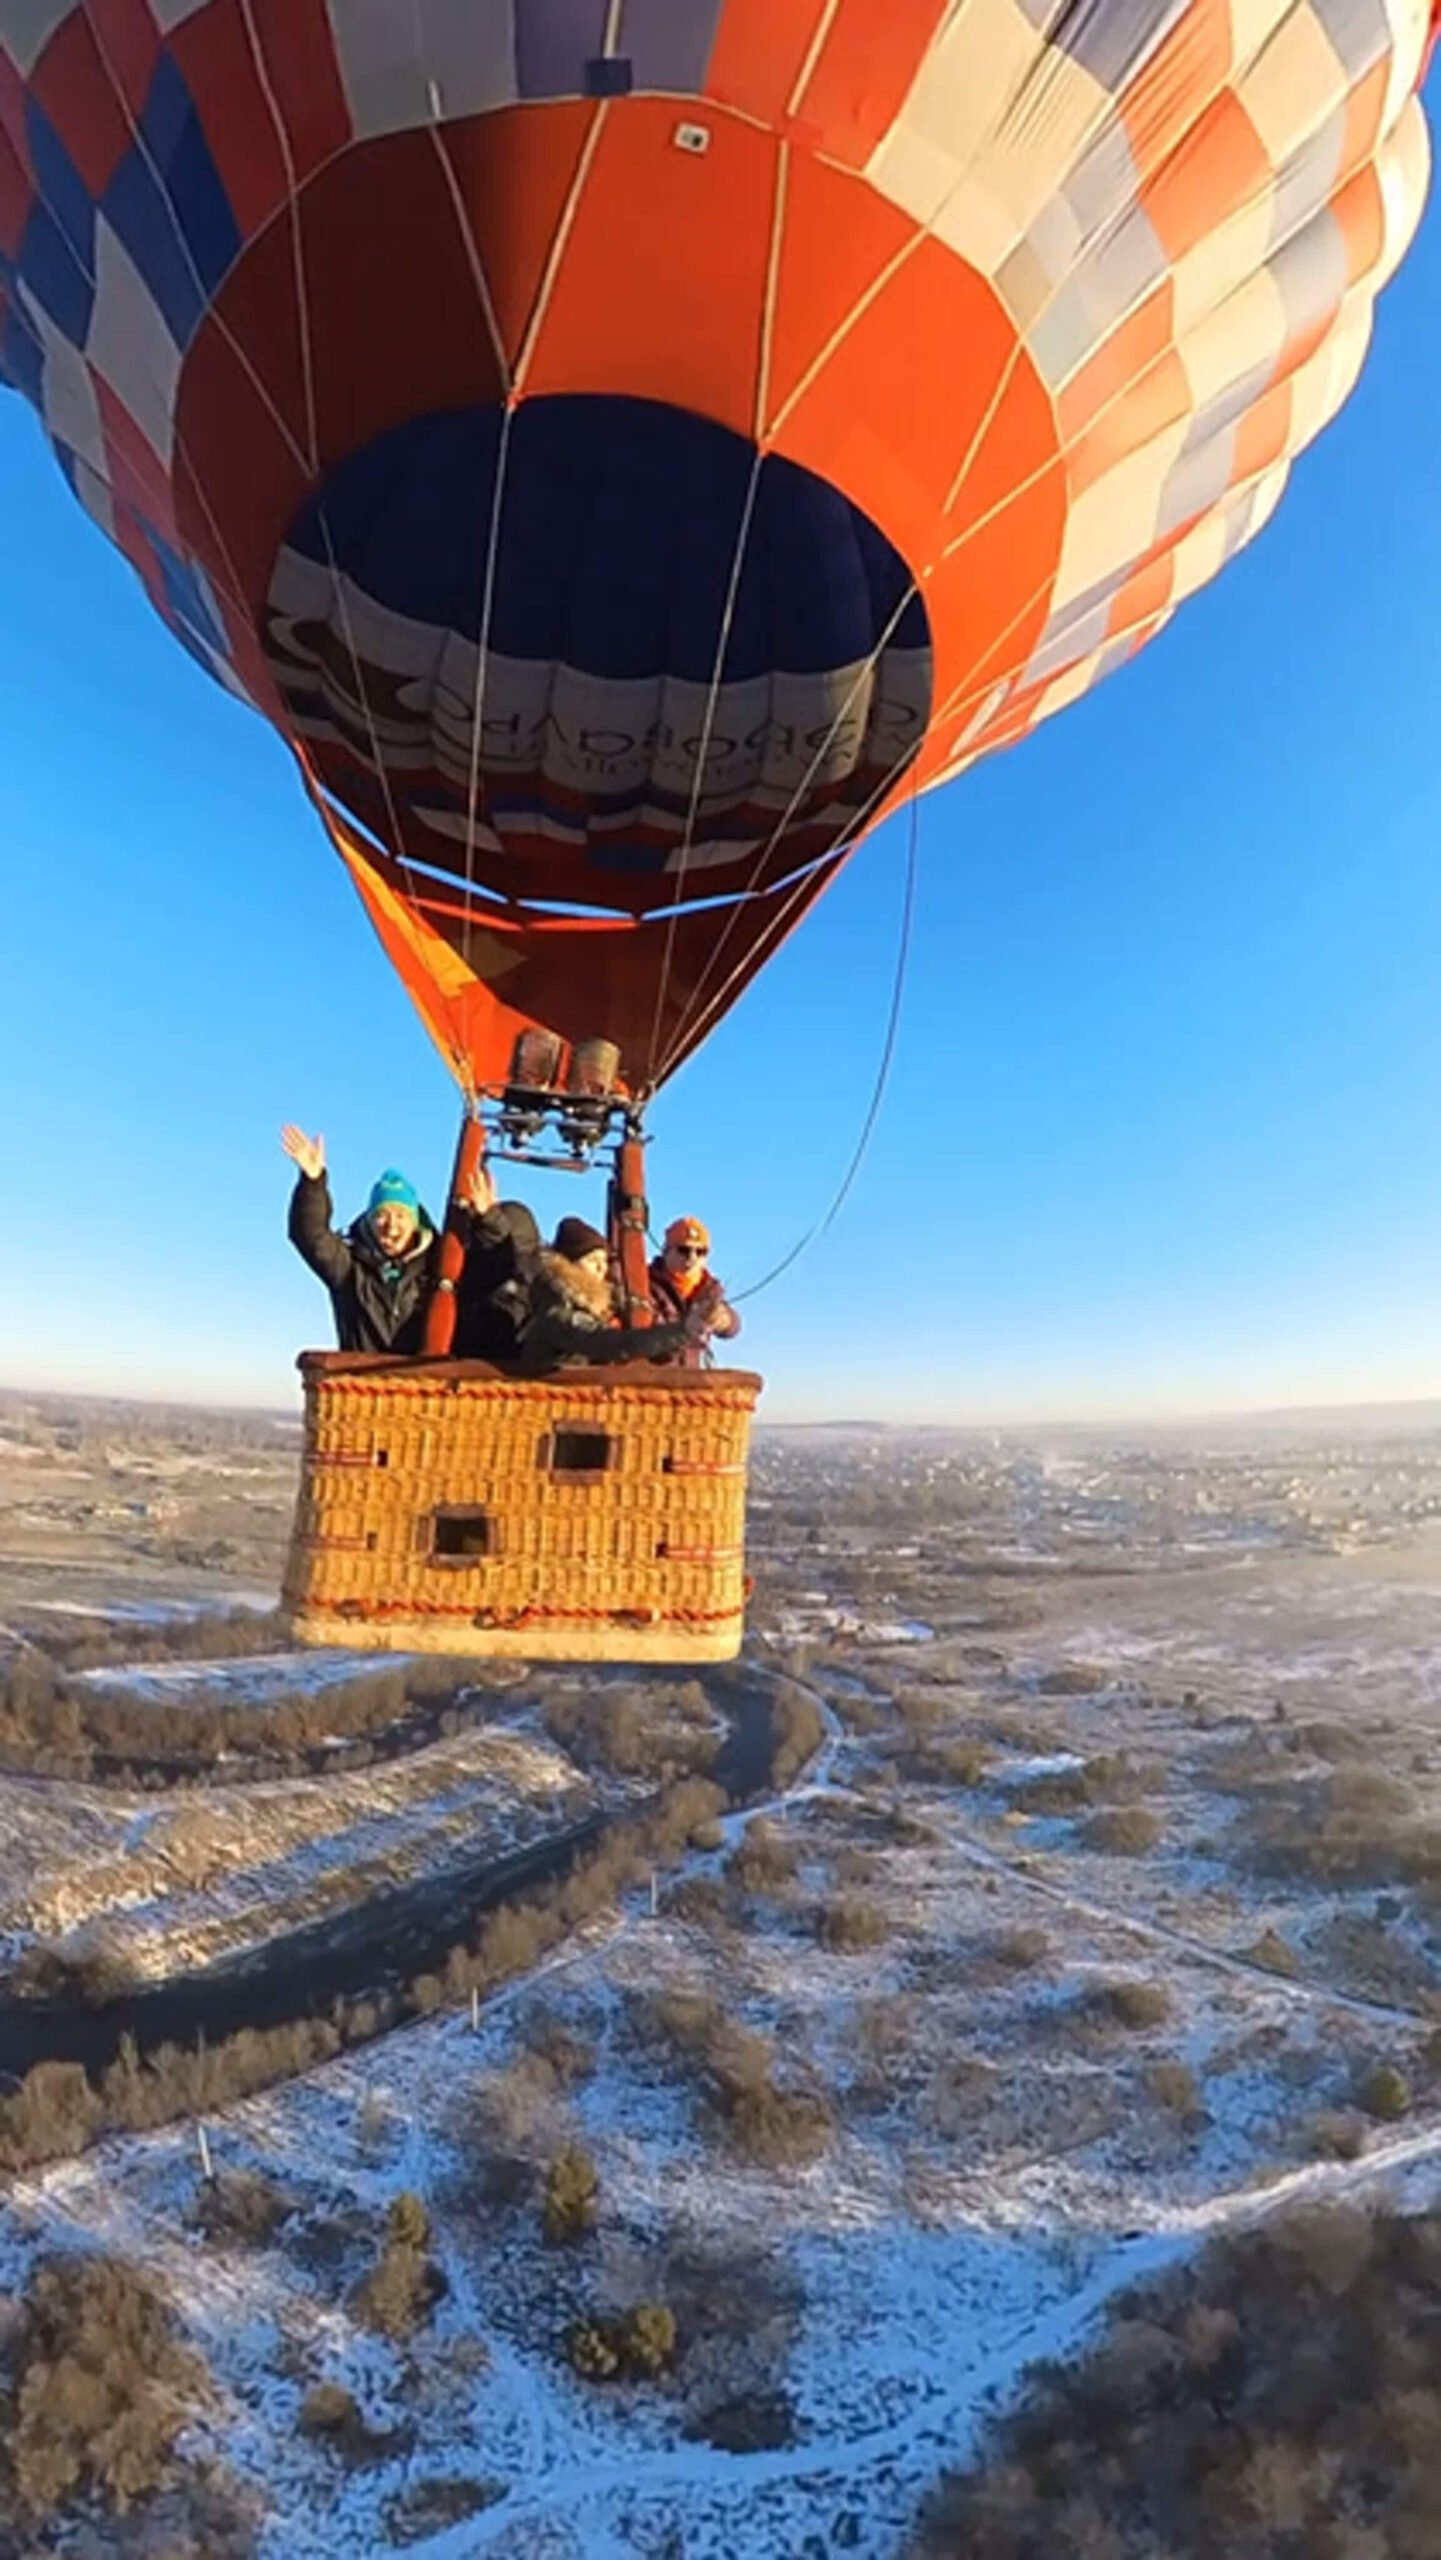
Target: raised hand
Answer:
pixel 306 1154
pixel 480 1191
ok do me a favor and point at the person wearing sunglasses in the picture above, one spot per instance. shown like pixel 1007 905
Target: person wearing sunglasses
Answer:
pixel 681 1284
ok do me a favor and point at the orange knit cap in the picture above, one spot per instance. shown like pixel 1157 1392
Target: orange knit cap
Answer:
pixel 688 1231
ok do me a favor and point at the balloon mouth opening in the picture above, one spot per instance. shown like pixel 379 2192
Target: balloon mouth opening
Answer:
pixel 600 658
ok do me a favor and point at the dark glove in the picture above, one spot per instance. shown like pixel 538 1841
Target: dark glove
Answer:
pixel 703 1309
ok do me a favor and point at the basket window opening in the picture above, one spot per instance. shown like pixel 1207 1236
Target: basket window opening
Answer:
pixel 577 1450
pixel 460 1533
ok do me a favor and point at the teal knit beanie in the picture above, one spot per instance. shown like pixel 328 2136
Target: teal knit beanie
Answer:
pixel 393 1188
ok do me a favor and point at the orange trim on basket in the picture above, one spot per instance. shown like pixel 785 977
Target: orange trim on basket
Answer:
pixel 365 1611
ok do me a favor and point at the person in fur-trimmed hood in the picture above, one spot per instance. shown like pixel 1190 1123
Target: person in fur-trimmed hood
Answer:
pixel 573 1308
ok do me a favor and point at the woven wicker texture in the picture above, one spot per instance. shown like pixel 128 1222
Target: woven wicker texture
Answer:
pixel 445 1505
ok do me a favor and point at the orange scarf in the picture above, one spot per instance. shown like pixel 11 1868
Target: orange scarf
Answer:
pixel 686 1281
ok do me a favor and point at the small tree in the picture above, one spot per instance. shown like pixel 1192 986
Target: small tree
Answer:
pixel 407 2224
pixel 648 2338
pixel 572 2194
pixel 1384 2093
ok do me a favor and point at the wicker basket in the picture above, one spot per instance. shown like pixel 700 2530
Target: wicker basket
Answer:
pixel 592 1515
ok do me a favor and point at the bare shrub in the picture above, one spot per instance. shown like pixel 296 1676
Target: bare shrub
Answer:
pixel 399 2293
pixel 1073 1680
pixel 883 2045
pixel 962 2093
pixel 1108 1777
pixel 1336 2133
pixel 689 2021
pixel 516 2115
pixel 89 1972
pixel 244 2205
pixel 329 2410
pixel 53 2113
pixel 1331 1741
pixel 1122 1831
pixel 1272 1953
pixel 920 1709
pixel 1260 2403
pixel 763 1861
pixel 797 1732
pixel 1174 2086
pixel 570 2057
pixel 775 2127
pixel 703 1902
pixel 1352 1826
pixel 763 2120
pixel 425 2508
pixel 1019 1949
pixel 1132 2003
pixel 1365 1954
pixel 635 1731
pixel 849 1926
pixel 950 1760
pixel 637 2345
pixel 102 2386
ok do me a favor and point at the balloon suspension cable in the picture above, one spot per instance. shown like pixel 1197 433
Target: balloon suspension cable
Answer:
pixel 692 1017
pixel 723 637
pixel 822 1224
pixel 482 667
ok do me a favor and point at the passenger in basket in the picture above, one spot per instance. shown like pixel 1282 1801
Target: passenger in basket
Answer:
pixel 681 1285
pixel 573 1308
pixel 496 1294
pixel 381 1271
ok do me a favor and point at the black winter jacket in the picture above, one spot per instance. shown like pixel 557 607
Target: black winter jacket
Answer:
pixel 570 1321
pixel 494 1298
pixel 379 1304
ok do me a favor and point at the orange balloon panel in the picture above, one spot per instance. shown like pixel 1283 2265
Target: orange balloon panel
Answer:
pixel 623 447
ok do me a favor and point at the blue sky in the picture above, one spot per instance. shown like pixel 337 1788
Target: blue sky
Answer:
pixel 1164 1130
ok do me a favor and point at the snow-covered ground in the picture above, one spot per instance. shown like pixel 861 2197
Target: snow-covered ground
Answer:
pixel 903 2282
pixel 252 1679
pixel 1048 2057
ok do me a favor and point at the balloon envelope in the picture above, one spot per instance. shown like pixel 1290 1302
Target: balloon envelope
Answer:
pixel 624 448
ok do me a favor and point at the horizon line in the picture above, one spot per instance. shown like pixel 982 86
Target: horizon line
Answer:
pixel 1129 1418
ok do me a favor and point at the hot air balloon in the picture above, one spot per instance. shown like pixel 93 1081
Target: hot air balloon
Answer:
pixel 626 446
